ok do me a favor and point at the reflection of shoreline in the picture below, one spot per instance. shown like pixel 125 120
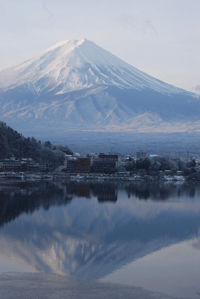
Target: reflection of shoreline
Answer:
pixel 95 177
pixel 26 197
pixel 160 191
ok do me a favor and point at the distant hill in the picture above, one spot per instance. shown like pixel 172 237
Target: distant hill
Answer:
pixel 14 144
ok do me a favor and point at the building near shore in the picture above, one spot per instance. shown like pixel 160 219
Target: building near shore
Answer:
pixel 83 165
pixel 121 169
pixel 104 166
pixel 23 165
pixel 70 165
pixel 108 157
pixel 140 154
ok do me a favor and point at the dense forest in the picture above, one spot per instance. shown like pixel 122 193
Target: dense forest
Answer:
pixel 158 163
pixel 14 144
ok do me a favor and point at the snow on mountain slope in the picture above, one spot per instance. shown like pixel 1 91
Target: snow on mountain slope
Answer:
pixel 78 85
pixel 76 65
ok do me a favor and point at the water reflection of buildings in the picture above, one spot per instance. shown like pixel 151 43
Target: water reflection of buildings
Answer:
pixel 20 197
pixel 142 190
pixel 82 190
pixel 105 192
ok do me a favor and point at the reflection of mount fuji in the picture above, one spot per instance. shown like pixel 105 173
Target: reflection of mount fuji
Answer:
pixel 87 239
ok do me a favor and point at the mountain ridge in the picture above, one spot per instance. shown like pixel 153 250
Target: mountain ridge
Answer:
pixel 75 55
pixel 78 85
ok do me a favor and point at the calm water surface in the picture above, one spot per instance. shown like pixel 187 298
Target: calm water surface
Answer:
pixel 144 235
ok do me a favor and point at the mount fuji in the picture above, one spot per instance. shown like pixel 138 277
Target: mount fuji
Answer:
pixel 76 85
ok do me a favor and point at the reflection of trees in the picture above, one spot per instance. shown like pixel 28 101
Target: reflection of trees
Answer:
pixel 24 197
pixel 160 191
pixel 28 197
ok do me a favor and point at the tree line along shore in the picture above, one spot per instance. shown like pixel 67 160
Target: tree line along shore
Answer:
pixel 27 155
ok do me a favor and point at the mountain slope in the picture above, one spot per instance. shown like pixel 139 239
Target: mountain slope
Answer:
pixel 78 85
pixel 72 65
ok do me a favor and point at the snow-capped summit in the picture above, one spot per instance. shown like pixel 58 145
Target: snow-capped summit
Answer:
pixel 78 64
pixel 77 85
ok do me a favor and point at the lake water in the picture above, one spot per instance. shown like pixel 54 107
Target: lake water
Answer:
pixel 144 235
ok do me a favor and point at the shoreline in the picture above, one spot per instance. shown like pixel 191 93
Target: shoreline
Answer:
pixel 84 177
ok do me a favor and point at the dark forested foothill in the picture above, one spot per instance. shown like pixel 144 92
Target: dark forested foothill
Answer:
pixel 14 144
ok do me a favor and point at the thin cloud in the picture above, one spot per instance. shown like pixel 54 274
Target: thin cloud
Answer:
pixel 127 21
pixel 197 89
pixel 149 26
pixel 196 243
pixel 47 10
pixel 133 23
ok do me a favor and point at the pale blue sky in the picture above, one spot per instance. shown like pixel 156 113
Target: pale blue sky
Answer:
pixel 160 37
